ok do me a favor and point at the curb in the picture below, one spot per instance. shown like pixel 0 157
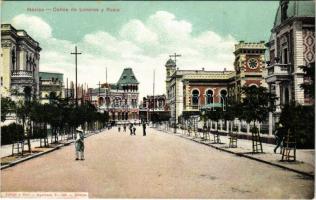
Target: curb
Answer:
pixel 40 154
pixel 247 156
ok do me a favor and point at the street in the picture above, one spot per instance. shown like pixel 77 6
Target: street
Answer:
pixel 159 165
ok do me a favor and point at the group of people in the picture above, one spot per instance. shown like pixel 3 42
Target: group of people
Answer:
pixel 132 128
pixel 79 143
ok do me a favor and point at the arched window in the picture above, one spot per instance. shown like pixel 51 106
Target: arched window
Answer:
pixel 100 101
pixel 209 97
pixel 223 94
pixel 195 97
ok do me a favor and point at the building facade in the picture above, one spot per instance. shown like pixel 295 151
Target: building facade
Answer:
pixel 154 108
pixel 188 91
pixel 51 84
pixel 291 45
pixel 120 100
pixel 20 63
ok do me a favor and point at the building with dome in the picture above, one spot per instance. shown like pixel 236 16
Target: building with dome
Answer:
pixel 291 45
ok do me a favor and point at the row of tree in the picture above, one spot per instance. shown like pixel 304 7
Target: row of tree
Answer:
pixel 255 105
pixel 59 117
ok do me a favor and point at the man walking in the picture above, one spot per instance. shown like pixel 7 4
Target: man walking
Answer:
pixel 279 136
pixel 124 127
pixel 79 145
pixel 131 128
pixel 144 129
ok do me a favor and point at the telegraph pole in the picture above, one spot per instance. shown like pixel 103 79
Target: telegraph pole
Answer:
pixel 175 55
pixel 76 53
pixel 67 89
pixel 99 90
pixel 153 114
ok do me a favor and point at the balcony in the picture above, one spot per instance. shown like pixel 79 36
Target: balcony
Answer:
pixel 278 72
pixel 23 77
pixel 22 74
pixel 51 83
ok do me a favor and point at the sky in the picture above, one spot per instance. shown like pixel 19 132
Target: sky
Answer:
pixel 140 35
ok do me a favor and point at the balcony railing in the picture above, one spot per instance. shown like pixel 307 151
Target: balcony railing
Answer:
pixel 51 83
pixel 22 73
pixel 279 69
pixel 195 107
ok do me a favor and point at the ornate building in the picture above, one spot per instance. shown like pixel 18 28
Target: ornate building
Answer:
pixel 154 108
pixel 249 66
pixel 188 91
pixel 291 45
pixel 20 63
pixel 50 83
pixel 120 99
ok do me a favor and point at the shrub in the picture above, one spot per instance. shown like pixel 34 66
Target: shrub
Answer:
pixel 11 133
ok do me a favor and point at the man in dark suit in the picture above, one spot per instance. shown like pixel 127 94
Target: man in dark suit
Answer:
pixel 144 129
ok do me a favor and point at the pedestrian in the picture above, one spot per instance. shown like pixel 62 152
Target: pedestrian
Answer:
pixel 144 129
pixel 279 137
pixel 134 130
pixel 79 145
pixel 119 128
pixel 131 128
pixel 124 127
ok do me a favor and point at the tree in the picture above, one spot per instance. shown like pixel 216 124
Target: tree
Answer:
pixel 23 112
pixel 309 86
pixel 256 105
pixel 299 120
pixel 38 115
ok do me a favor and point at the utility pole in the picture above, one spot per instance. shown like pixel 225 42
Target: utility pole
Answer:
pixel 67 88
pixel 175 55
pixel 99 92
pixel 153 114
pixel 76 53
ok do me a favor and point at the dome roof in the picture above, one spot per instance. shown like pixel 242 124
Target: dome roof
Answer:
pixel 296 9
pixel 170 63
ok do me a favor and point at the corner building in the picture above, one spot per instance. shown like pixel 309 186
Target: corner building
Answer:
pixel 291 45
pixel 188 91
pixel 119 99
pixel 20 63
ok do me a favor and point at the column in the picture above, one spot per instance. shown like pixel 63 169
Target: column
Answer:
pixel 227 127
pixel 239 126
pixel 22 59
pixel 277 92
pixel 270 124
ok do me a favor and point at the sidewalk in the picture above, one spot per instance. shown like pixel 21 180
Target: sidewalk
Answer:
pixel 305 158
pixel 9 160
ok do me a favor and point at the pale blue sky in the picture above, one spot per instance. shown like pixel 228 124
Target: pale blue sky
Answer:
pixel 141 35
pixel 245 20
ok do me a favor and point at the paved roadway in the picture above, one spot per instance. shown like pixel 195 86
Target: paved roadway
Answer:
pixel 160 165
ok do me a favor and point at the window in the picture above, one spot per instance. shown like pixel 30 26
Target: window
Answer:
pixel 209 96
pixel 285 57
pixel 195 97
pixel 223 98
